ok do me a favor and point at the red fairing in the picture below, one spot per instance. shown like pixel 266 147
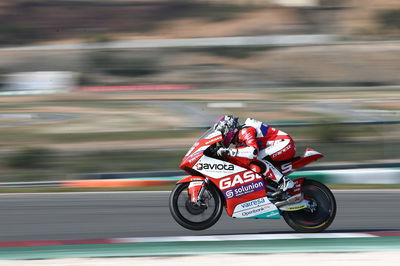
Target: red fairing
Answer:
pixel 190 179
pixel 239 188
pixel 195 185
pixel 197 150
pixel 309 156
pixel 194 190
pixel 298 183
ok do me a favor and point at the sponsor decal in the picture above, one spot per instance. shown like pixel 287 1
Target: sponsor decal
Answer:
pixel 195 156
pixel 295 208
pixel 262 208
pixel 196 179
pixel 195 183
pixel 285 149
pixel 273 214
pixel 253 212
pixel 286 168
pixel 252 203
pixel 216 168
pixel 220 166
pixel 265 215
pixel 238 179
pixel 244 190
pixel 213 140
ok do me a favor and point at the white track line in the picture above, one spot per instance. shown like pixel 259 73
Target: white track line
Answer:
pixel 241 237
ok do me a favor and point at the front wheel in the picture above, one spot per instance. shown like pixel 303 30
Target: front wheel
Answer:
pixel 192 216
pixel 319 215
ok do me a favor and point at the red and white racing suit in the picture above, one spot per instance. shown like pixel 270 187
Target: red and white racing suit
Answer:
pixel 257 141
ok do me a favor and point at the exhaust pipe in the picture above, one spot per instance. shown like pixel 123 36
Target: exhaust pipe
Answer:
pixel 292 200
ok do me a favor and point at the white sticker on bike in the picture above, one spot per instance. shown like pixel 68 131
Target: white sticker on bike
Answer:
pixel 216 168
pixel 257 207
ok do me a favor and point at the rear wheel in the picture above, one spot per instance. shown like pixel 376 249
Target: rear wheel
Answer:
pixel 319 215
pixel 190 215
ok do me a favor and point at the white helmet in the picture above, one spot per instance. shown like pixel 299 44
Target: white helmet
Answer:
pixel 228 125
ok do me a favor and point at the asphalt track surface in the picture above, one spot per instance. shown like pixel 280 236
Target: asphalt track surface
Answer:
pixel 74 216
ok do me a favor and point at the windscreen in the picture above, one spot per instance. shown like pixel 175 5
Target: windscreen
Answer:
pixel 208 132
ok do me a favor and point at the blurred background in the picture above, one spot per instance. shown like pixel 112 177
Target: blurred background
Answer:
pixel 129 85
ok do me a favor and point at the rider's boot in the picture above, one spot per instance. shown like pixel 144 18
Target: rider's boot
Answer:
pixel 285 183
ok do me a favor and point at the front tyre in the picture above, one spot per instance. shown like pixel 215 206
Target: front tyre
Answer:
pixel 321 213
pixel 191 216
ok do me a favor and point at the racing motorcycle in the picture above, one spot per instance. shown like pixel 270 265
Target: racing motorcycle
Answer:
pixel 197 201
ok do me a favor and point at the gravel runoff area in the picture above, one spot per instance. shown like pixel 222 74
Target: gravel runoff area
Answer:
pixel 327 259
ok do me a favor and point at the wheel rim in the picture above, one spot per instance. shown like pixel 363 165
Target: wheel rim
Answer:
pixel 193 208
pixel 321 209
pixel 192 213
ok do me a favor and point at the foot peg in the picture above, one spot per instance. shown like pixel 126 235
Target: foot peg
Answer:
pixel 284 184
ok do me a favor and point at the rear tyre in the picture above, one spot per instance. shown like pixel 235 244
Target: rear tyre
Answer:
pixel 321 213
pixel 191 216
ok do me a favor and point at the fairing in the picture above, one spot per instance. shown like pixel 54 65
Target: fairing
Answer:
pixel 244 190
pixel 197 150
pixel 309 156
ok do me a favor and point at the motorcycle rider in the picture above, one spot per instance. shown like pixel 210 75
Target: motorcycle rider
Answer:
pixel 256 145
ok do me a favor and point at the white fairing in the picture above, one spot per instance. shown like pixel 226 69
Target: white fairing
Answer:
pixel 258 207
pixel 270 167
pixel 310 153
pixel 196 183
pixel 216 168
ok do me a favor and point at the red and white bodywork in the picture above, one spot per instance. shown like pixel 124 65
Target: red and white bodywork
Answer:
pixel 244 191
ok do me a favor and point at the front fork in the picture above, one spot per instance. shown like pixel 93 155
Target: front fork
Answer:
pixel 196 192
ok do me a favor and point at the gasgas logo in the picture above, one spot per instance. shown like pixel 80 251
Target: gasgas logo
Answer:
pixel 229 182
pixel 209 166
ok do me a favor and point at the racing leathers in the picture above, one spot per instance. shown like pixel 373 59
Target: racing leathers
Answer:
pixel 260 142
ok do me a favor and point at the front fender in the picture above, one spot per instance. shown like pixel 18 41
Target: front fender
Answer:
pixel 190 179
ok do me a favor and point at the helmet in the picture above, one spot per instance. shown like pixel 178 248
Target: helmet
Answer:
pixel 228 126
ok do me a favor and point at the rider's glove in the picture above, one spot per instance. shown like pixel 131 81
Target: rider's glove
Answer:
pixel 223 152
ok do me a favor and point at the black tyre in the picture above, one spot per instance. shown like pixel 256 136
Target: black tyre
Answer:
pixel 319 216
pixel 191 216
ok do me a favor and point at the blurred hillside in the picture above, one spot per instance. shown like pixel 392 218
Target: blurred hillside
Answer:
pixel 41 21
pixel 27 21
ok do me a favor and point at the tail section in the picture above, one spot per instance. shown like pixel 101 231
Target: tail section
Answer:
pixel 309 156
